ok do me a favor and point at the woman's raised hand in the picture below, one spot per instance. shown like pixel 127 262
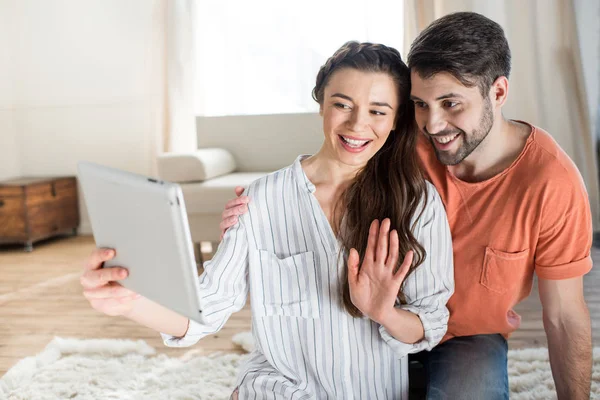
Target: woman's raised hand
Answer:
pixel 374 286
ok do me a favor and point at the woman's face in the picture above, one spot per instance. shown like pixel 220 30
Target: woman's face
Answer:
pixel 359 111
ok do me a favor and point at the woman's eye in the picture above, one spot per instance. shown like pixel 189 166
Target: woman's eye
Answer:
pixel 342 106
pixel 375 112
pixel 420 104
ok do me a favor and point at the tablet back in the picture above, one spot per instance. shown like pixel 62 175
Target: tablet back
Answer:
pixel 145 221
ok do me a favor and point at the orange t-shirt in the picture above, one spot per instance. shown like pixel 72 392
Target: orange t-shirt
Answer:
pixel 533 216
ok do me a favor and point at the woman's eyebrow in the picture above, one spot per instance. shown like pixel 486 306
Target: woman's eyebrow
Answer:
pixel 373 103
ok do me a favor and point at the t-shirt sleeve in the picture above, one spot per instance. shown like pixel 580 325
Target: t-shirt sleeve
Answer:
pixel 565 236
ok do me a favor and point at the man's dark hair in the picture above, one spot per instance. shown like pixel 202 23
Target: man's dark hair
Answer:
pixel 467 45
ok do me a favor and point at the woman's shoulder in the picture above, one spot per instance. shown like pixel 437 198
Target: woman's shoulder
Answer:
pixel 433 196
pixel 430 205
pixel 273 182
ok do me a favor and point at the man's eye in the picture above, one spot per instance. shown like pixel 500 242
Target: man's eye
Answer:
pixel 450 104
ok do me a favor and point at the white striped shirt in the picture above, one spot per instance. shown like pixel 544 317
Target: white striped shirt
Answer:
pixel 307 346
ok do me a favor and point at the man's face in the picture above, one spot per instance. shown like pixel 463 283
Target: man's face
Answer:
pixel 455 118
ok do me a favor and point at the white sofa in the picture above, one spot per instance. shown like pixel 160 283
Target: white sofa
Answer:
pixel 235 151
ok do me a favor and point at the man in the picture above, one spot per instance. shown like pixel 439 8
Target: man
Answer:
pixel 516 205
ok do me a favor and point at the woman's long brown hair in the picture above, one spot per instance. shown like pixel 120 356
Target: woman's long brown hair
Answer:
pixel 391 185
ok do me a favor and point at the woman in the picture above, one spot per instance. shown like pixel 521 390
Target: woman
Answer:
pixel 338 297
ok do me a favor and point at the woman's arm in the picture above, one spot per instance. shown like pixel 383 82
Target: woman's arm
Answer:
pixel 223 289
pixel 428 288
pixel 422 322
pixel 154 316
pixel 374 288
pixel 403 326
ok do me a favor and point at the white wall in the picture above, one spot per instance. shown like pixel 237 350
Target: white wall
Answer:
pixel 89 84
pixel 9 150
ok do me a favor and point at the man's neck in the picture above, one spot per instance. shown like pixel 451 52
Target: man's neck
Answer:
pixel 495 153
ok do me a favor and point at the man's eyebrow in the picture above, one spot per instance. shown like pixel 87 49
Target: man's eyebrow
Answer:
pixel 449 96
pixel 442 97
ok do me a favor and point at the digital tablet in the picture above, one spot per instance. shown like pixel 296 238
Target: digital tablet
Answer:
pixel 145 221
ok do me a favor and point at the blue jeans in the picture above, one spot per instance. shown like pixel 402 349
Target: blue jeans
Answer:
pixel 464 368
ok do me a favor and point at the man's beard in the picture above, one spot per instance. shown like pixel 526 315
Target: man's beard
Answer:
pixel 469 142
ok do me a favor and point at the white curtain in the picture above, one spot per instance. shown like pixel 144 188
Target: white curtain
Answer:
pixel 180 117
pixel 547 85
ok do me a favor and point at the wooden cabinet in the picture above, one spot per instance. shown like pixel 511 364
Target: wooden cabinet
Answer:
pixel 32 209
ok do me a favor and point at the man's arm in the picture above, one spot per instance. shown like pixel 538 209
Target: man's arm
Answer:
pixel 233 209
pixel 569 332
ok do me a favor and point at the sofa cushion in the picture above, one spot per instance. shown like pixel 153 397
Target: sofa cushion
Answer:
pixel 210 196
pixel 195 166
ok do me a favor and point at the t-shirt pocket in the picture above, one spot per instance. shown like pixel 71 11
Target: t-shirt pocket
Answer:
pixel 285 286
pixel 502 270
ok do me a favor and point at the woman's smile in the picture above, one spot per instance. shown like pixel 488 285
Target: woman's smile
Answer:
pixel 354 145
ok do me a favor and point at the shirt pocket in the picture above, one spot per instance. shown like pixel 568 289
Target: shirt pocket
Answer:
pixel 286 286
pixel 503 270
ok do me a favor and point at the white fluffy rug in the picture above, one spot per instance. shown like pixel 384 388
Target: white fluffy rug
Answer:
pixel 125 369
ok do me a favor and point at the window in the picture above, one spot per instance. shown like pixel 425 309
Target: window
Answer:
pixel 262 57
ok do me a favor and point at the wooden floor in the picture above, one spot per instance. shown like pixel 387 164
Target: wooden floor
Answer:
pixel 40 297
